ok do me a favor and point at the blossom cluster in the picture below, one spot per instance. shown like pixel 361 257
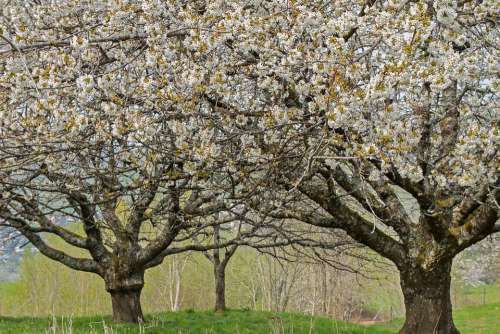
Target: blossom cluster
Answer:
pixel 225 83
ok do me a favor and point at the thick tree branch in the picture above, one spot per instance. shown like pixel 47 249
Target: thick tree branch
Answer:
pixel 356 221
pixel 64 43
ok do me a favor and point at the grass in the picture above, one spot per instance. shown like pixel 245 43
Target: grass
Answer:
pixel 490 294
pixel 484 319
pixel 190 322
pixel 8 288
pixel 471 320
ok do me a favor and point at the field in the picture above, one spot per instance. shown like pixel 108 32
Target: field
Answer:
pixel 482 319
pixel 191 322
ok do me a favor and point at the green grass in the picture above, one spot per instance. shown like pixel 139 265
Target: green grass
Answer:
pixel 475 295
pixel 472 319
pixel 483 319
pixel 189 322
pixel 8 288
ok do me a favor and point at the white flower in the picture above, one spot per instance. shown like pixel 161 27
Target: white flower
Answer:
pixel 310 21
pixel 79 42
pixel 105 82
pixel 85 82
pixel 446 15
pixel 375 175
pixel 115 130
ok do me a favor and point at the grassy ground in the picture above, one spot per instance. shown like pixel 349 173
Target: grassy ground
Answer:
pixel 472 320
pixel 483 319
pixel 484 294
pixel 188 322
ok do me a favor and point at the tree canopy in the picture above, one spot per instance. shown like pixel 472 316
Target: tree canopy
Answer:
pixel 327 112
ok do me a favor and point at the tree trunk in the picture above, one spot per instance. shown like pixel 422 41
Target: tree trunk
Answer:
pixel 427 300
pixel 125 289
pixel 127 306
pixel 220 287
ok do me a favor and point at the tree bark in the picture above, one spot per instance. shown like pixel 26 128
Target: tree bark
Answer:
pixel 427 300
pixel 125 289
pixel 127 306
pixel 220 287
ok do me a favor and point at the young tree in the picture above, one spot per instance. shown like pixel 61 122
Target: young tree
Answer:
pixel 220 259
pixel 260 232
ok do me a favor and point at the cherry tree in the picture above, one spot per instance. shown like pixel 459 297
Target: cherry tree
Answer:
pixel 96 129
pixel 377 117
pixel 133 209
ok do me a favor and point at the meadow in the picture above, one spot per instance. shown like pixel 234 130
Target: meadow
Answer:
pixel 471 320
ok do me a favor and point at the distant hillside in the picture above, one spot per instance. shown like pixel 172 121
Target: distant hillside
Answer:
pixel 12 247
pixel 11 252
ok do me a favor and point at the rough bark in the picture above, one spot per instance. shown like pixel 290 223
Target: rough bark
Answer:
pixel 125 290
pixel 427 300
pixel 127 306
pixel 220 287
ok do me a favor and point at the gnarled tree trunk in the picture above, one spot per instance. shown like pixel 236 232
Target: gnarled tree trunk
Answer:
pixel 127 306
pixel 427 300
pixel 125 291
